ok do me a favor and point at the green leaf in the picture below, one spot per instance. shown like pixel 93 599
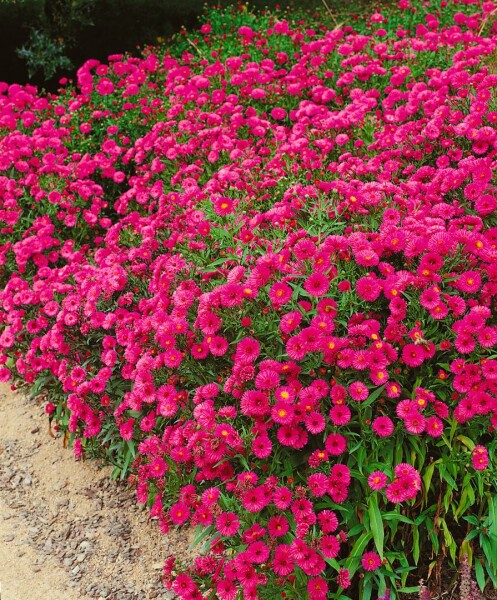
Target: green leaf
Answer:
pixel 480 575
pixel 434 541
pixel 445 476
pixel 415 544
pixel 352 563
pixel 492 574
pixel 488 550
pixel 428 474
pixel 367 590
pixel 471 535
pixel 373 396
pixel 466 441
pixel 492 515
pixel 394 516
pixel 376 523
pixel 200 534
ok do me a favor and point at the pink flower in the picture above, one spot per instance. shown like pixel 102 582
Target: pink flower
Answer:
pixel 358 391
pixel 283 562
pixel 247 350
pixel 343 578
pixel 413 355
pixel 328 521
pixel 282 498
pixel 316 285
pixel 315 422
pixel 377 480
pixel 277 526
pixel 335 444
pixel 218 345
pixel 340 414
pixel 368 288
pixel 126 429
pixel 262 446
pixel 296 347
pixel 257 552
pixel 329 546
pixel 227 524
pixel 318 484
pixel 255 499
pixel 226 590
pixel 383 426
pixel 290 321
pixel 395 492
pixel 280 293
pixel 415 423
pixel 317 588
pixel 434 427
pixel 469 282
pixel 479 458
pixel 370 561
pixel 282 413
pixel 179 513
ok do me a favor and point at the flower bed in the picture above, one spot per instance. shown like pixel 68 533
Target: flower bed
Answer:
pixel 258 274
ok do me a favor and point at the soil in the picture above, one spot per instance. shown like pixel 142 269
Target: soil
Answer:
pixel 67 531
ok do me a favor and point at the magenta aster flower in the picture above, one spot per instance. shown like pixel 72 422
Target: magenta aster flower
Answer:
pixel 383 426
pixel 370 561
pixel 377 480
pixel 336 444
pixel 317 588
pixel 329 546
pixel 358 391
pixel 316 285
pixel 479 458
pixel 343 578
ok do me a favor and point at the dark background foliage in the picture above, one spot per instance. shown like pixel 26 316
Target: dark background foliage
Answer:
pixel 83 29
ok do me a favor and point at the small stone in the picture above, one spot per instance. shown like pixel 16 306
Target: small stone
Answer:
pixel 35 430
pixel 157 566
pixel 68 561
pixel 28 480
pixel 75 571
pixel 6 516
pixel 84 546
pixel 80 557
pixel 8 538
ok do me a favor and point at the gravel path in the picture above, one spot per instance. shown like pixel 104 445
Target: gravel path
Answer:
pixel 67 531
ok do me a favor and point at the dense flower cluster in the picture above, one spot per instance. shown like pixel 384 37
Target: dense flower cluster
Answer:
pixel 264 283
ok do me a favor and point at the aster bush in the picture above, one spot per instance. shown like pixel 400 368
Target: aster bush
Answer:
pixel 256 271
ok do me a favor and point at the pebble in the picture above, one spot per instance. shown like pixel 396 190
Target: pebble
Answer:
pixel 98 546
pixel 85 546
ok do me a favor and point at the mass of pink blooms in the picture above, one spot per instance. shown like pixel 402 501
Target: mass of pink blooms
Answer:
pixel 262 280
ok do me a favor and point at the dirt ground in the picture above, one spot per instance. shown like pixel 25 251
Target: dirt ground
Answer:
pixel 68 532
